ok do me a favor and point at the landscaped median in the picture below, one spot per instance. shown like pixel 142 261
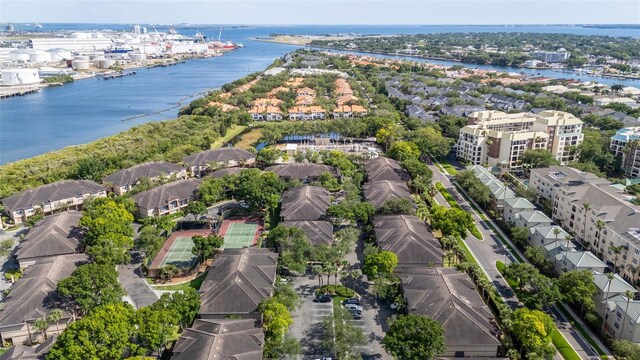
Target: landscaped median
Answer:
pixel 454 204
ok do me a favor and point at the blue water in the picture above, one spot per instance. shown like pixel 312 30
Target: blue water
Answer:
pixel 90 109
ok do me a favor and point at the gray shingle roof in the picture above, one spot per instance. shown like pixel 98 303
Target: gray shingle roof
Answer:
pixel 57 234
pixel 383 168
pixel 409 238
pixel 217 156
pixel 238 280
pixel 318 232
pixel 33 295
pixel 301 171
pixel 451 298
pixel 617 285
pixel 159 196
pixel 56 191
pixel 130 176
pixel 304 203
pixel 378 192
pixel 23 352
pixel 221 339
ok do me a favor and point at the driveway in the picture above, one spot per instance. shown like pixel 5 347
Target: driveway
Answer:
pixel 8 262
pixel 138 290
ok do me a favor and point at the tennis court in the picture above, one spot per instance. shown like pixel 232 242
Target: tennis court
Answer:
pixel 239 235
pixel 177 250
pixel 180 253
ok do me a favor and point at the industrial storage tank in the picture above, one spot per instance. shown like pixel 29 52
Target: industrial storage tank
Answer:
pixel 20 55
pixel 20 76
pixel 39 56
pixel 80 64
pixel 59 54
pixel 106 63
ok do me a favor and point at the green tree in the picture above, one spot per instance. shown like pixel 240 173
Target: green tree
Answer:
pixel 150 240
pixel 91 286
pixel 451 221
pixel 211 190
pixel 532 329
pixel 276 321
pixel 154 326
pixel 520 235
pixel 111 249
pixel 397 207
pixel 105 216
pixel 294 248
pixel 6 246
pixel 183 306
pixel 103 334
pixel 41 325
pixel 90 168
pixel 431 141
pixel 379 263
pixel 205 247
pixel 577 287
pixel 625 349
pixel 267 156
pixel 258 188
pixel 538 257
pixel 385 137
pixel 538 158
pixel 340 335
pixel 521 273
pixel 196 208
pixel 403 150
pixel 287 296
pixel 55 316
pixel 414 337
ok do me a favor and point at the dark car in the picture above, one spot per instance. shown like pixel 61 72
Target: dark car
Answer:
pixel 354 301
pixel 324 298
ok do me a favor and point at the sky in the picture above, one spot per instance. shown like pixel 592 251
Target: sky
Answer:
pixel 256 12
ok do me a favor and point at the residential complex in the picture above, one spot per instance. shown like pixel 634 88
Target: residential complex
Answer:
pixel 626 145
pixel 497 138
pixel 591 212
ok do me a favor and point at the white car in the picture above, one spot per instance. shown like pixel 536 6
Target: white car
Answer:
pixel 243 205
pixel 351 307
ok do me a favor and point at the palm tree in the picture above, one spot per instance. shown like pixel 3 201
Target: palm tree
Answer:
pixel 355 275
pixel 600 225
pixel 567 240
pixel 449 257
pixel 41 325
pixel 586 208
pixel 54 316
pixel 616 250
pixel 629 295
pixel 610 277
pixel 317 270
pixel 633 270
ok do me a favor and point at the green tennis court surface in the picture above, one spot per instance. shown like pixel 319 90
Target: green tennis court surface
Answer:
pixel 180 253
pixel 239 235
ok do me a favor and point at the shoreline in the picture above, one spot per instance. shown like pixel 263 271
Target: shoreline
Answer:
pixel 23 90
pixel 307 44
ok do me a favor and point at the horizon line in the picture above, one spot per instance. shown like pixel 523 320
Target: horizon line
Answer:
pixel 324 24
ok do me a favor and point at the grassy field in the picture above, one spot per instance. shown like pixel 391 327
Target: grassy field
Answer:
pixel 248 140
pixel 565 350
pixel 450 169
pixel 195 284
pixel 231 133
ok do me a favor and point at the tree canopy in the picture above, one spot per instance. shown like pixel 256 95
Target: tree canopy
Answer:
pixel 532 329
pixel 90 286
pixel 414 337
pixel 538 158
pixel 379 263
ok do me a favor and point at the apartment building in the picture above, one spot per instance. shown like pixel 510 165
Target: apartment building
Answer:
pixel 494 137
pixel 626 144
pixel 307 113
pixel 598 214
pixel 561 55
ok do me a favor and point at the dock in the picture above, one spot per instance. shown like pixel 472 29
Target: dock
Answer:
pixel 6 92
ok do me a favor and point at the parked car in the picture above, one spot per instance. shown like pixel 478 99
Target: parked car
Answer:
pixel 356 314
pixel 324 298
pixel 355 301
pixel 353 307
pixel 243 205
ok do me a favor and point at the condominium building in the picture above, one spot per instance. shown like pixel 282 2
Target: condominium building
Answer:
pixel 597 214
pixel 495 137
pixel 626 144
pixel 561 55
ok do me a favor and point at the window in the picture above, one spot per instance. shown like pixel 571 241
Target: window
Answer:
pixel 616 325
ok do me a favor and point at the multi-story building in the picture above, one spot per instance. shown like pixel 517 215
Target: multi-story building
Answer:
pixel 495 137
pixel 597 214
pixel 561 55
pixel 626 144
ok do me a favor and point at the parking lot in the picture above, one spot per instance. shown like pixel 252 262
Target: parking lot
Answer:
pixel 308 319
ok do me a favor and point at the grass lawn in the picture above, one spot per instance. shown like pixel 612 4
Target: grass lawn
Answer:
pixel 231 133
pixel 195 284
pixel 450 169
pixel 565 350
pixel 249 139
